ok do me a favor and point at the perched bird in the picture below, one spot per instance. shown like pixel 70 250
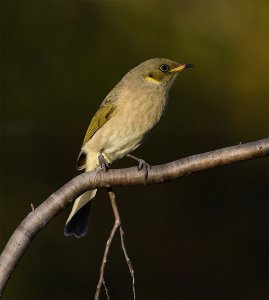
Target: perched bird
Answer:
pixel 125 119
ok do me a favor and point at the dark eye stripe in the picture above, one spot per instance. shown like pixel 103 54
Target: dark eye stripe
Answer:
pixel 164 68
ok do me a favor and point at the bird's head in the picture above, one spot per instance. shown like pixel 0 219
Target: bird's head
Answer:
pixel 157 72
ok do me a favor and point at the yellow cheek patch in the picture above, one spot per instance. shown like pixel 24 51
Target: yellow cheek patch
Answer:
pixel 151 79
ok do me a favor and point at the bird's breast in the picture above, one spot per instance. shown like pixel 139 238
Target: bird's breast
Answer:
pixel 144 107
pixel 132 122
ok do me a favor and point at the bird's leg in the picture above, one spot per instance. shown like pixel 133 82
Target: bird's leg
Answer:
pixel 104 165
pixel 142 165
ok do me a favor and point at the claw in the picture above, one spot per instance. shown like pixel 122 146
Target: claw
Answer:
pixel 104 165
pixel 142 165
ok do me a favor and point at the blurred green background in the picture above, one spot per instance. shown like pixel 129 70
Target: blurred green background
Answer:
pixel 200 237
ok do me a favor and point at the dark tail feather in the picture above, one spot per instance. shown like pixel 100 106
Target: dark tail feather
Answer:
pixel 78 225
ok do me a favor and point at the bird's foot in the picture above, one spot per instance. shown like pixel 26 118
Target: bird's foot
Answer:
pixel 104 165
pixel 142 165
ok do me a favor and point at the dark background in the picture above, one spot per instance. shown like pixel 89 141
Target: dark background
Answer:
pixel 200 237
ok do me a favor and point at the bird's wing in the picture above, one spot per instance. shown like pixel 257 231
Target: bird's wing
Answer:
pixel 103 114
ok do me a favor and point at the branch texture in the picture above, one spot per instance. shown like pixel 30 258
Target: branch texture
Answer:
pixel 44 213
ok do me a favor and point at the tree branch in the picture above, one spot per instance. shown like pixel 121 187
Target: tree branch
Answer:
pixel 44 213
pixel 128 261
pixel 117 224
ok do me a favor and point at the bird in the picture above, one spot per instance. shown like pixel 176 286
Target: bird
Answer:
pixel 125 119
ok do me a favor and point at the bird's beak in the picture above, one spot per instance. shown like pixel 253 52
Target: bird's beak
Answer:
pixel 180 68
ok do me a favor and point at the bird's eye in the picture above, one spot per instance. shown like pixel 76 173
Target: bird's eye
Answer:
pixel 164 68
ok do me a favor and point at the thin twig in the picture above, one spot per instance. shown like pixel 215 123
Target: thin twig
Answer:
pixel 129 263
pixel 50 208
pixel 106 290
pixel 116 226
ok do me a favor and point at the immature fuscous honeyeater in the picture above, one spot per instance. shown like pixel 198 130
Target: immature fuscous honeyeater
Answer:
pixel 125 119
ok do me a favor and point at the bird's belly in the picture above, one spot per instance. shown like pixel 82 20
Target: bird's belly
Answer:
pixel 124 140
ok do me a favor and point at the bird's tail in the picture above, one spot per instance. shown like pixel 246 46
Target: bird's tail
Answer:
pixel 78 220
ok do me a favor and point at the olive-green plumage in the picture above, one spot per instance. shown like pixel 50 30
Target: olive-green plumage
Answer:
pixel 100 118
pixel 125 119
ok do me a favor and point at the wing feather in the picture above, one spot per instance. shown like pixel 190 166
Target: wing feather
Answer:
pixel 103 114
